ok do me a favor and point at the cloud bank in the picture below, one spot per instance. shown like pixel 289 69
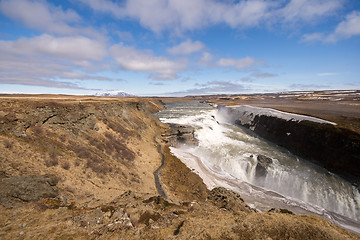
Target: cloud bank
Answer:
pixel 187 15
pixel 160 68
pixel 64 51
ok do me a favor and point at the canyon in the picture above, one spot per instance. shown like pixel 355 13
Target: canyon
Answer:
pixel 77 167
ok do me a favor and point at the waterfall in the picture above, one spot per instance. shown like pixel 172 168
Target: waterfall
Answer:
pixel 227 155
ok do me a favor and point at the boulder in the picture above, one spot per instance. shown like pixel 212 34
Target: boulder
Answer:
pixel 229 200
pixel 262 165
pixel 180 134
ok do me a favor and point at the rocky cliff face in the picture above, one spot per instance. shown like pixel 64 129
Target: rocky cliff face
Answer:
pixel 180 134
pixel 335 148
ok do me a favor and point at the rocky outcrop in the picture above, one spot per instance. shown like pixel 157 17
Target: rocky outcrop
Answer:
pixel 27 189
pixel 180 134
pixel 18 118
pixel 229 200
pixel 132 216
pixel 262 165
pixel 336 149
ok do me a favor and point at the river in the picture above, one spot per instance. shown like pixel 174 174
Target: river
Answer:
pixel 227 156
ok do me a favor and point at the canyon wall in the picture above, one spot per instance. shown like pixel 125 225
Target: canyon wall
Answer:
pixel 324 143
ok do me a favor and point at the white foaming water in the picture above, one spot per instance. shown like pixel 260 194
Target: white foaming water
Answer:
pixel 246 114
pixel 227 156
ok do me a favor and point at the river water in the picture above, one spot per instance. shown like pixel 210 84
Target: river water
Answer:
pixel 227 156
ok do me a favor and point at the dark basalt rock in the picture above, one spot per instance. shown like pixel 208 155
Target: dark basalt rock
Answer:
pixel 262 165
pixel 180 134
pixel 281 210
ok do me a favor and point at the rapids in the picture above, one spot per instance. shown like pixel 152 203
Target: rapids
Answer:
pixel 227 156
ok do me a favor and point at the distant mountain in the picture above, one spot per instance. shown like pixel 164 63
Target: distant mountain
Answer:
pixel 114 94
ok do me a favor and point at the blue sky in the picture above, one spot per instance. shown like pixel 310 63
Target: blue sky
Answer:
pixel 178 47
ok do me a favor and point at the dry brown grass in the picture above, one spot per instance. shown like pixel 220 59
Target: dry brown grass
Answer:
pixel 135 178
pixel 8 144
pixel 118 128
pixel 37 130
pixel 77 163
pixel 98 166
pixel 65 165
pixel 111 145
pixel 120 147
pixel 79 150
pixel 124 152
pixel 51 162
pixel 98 143
pixel 62 138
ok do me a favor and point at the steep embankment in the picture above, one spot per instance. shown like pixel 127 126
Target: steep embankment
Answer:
pixel 85 171
pixel 335 148
pixel 97 149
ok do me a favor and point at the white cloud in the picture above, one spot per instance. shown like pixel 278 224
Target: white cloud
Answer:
pixel 61 55
pixel 308 87
pixel 186 48
pixel 104 6
pixel 156 15
pixel 48 58
pixel 69 48
pixel 178 16
pixel 247 79
pixel 43 16
pixel 48 61
pixel 326 74
pixel 206 59
pixel 263 75
pixel 256 74
pixel 312 37
pixel 348 28
pixel 81 76
pixel 308 10
pixel 125 36
pixel 214 87
pixel 32 71
pixel 246 13
pixel 239 64
pixel 159 68
pixel 35 81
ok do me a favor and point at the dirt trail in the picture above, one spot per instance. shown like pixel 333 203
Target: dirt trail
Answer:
pixel 158 183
